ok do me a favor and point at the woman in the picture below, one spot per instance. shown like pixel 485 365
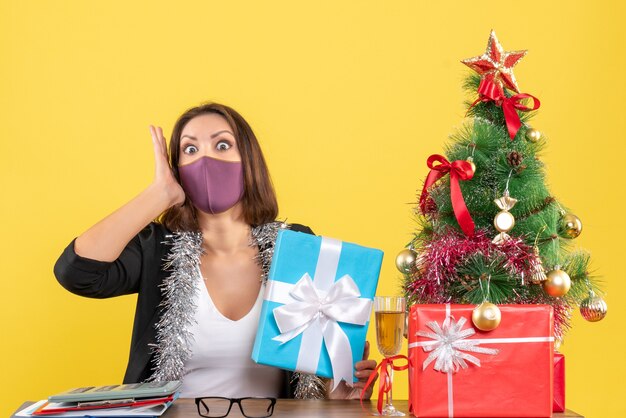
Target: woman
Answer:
pixel 200 270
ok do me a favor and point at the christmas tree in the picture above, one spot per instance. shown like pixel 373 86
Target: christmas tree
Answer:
pixel 490 231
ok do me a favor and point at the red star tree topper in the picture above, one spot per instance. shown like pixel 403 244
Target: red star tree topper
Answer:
pixel 496 64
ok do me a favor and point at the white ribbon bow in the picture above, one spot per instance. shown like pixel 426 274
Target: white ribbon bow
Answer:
pixel 448 345
pixel 319 312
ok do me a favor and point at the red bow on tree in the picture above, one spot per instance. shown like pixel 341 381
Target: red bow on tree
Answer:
pixel 489 91
pixel 459 170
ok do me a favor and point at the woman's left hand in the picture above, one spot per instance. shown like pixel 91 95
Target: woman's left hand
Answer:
pixel 364 369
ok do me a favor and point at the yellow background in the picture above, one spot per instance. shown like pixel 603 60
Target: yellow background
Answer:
pixel 348 100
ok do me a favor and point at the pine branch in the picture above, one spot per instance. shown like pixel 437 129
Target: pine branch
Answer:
pixel 482 279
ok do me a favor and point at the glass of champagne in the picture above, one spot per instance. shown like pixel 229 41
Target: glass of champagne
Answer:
pixel 390 313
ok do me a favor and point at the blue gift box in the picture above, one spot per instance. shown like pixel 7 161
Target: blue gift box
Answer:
pixel 319 292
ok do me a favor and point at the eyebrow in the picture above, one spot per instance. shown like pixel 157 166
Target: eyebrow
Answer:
pixel 212 136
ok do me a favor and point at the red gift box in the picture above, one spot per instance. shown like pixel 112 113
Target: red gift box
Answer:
pixel 559 383
pixel 507 372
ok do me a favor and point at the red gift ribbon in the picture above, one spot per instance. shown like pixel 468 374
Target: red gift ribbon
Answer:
pixel 489 91
pixel 459 170
pixel 384 384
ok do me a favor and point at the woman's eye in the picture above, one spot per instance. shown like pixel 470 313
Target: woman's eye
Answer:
pixel 190 149
pixel 223 146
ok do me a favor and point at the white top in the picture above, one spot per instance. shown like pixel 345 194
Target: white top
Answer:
pixel 220 363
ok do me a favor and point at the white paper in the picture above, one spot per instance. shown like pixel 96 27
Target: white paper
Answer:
pixel 142 411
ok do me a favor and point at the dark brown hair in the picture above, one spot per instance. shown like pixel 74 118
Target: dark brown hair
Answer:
pixel 259 199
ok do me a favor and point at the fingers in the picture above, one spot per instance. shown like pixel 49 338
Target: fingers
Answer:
pixel 366 350
pixel 156 144
pixel 160 147
pixel 365 364
pixel 153 134
pixel 162 140
pixel 361 384
pixel 363 375
pixel 155 140
pixel 365 367
pixel 364 370
pixel 162 165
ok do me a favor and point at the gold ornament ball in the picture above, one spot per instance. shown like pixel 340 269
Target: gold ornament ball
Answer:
pixel 533 135
pixel 571 226
pixel 486 316
pixel 405 260
pixel 594 308
pixel 504 221
pixel 557 283
pixel 470 160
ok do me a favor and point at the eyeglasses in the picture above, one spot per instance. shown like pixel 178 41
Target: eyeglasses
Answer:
pixel 216 407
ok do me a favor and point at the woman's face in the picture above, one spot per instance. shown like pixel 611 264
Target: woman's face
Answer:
pixel 208 135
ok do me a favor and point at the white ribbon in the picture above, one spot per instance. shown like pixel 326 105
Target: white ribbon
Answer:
pixel 313 308
pixel 448 342
pixel 449 348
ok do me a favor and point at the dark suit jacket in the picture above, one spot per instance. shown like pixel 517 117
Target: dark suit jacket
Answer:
pixel 139 270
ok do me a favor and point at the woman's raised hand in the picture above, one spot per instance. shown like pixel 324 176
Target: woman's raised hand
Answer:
pixel 106 240
pixel 163 176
